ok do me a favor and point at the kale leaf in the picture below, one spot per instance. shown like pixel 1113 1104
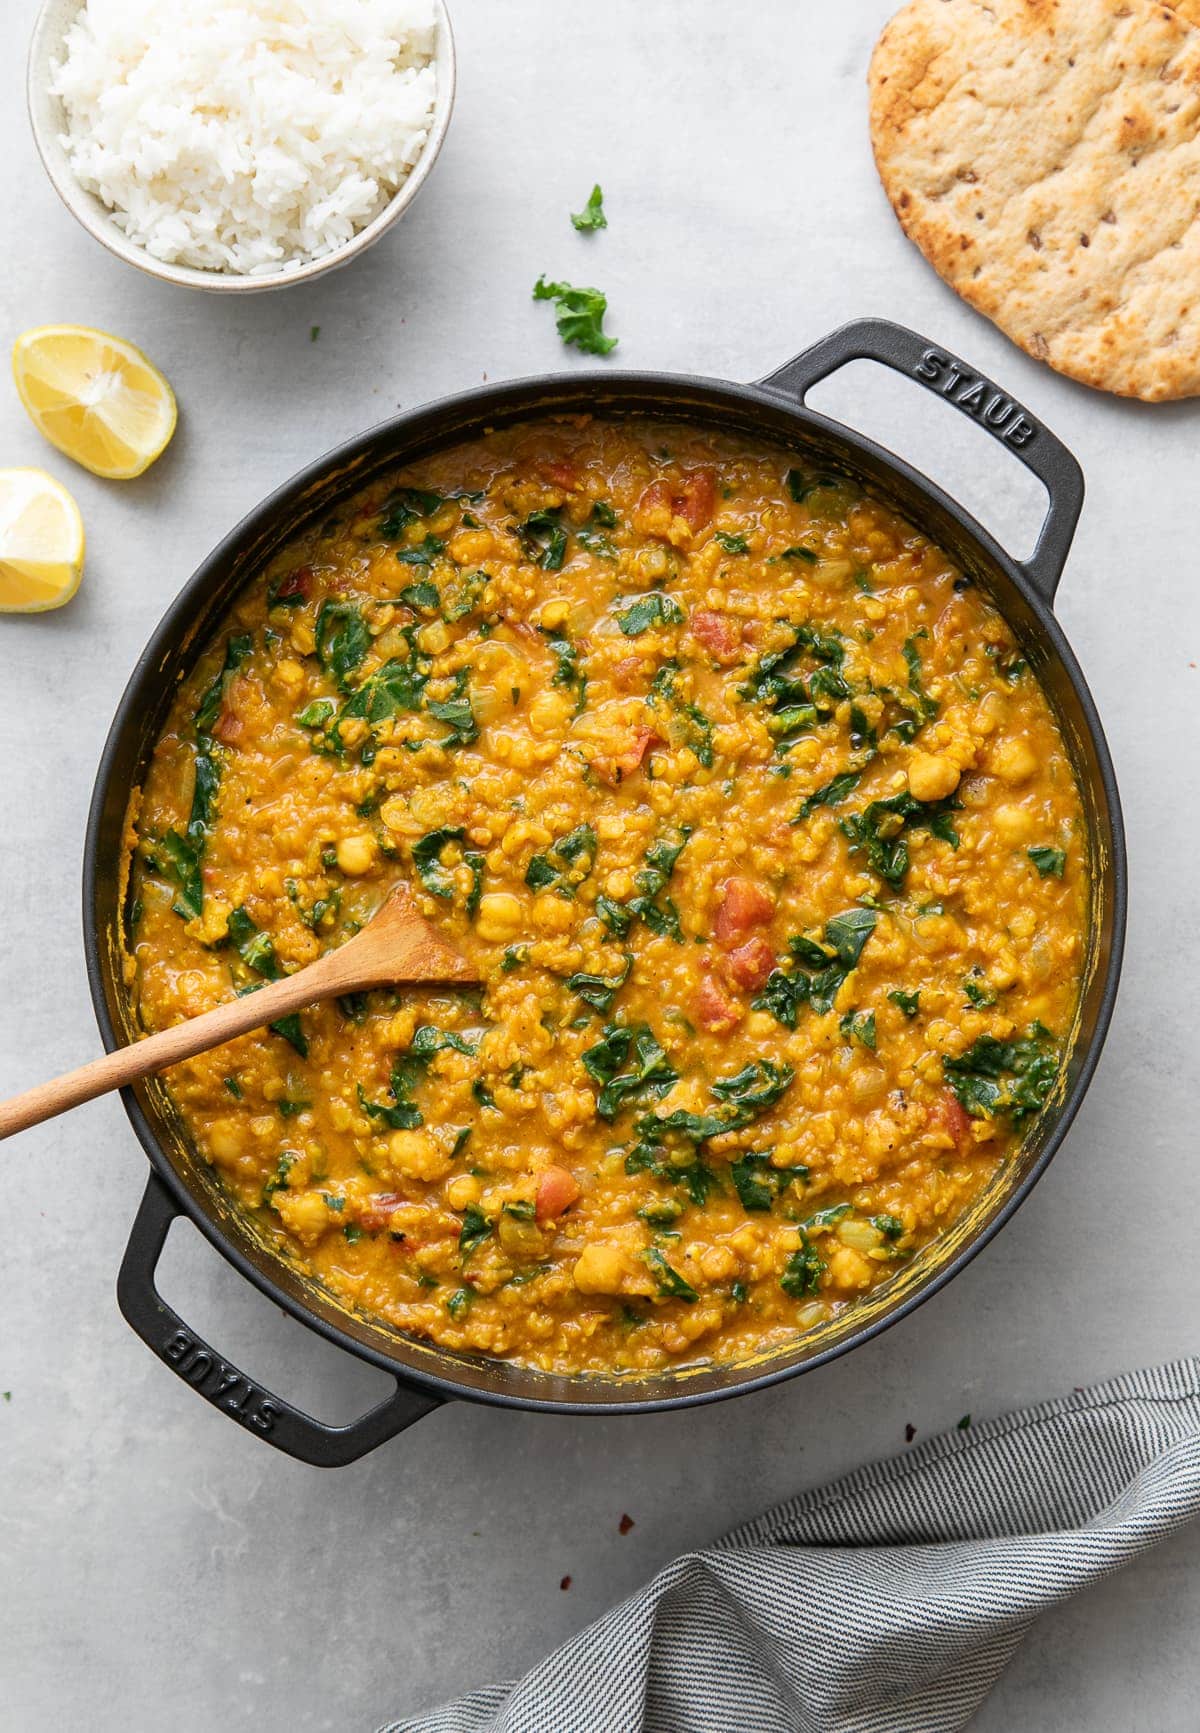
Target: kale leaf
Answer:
pixel 435 876
pixel 802 1274
pixel 818 967
pixel 567 672
pixel 652 609
pixel 543 538
pixel 424 553
pixel 1050 862
pixel 599 991
pixel 670 1282
pixel 796 700
pixel 926 707
pixel 456 712
pixel 1009 1078
pixel 625 1062
pixel 830 793
pixel 579 315
pixel 183 852
pixel 565 864
pixel 257 951
pixel 342 640
pixel 879 831
pixel 475 1229
pixel 649 905
pixel 758 1183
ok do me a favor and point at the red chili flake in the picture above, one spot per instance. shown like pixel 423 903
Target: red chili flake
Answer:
pixel 910 1432
pixel 565 1584
pixel 625 1524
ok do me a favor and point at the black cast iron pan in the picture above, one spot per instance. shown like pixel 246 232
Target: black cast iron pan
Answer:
pixel 774 411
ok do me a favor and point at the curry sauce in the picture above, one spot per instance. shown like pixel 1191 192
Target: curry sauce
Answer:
pixel 758 829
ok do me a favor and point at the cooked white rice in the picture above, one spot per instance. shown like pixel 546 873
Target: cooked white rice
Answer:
pixel 247 136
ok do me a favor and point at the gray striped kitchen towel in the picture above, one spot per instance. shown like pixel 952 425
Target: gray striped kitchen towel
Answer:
pixel 887 1602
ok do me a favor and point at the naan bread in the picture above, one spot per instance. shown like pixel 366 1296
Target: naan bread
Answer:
pixel 1045 157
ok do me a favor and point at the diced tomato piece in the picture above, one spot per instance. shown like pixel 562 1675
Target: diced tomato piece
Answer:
pixel 715 1010
pixel 561 471
pixel 297 583
pixel 614 767
pixel 657 497
pixel 749 965
pixel 229 726
pixel 557 1191
pixel 949 1115
pixel 695 500
pixel 744 905
pixel 628 672
pixel 377 1211
pixel 692 498
pixel 721 636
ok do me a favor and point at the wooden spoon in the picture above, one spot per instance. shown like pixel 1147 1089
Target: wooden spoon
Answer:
pixel 395 947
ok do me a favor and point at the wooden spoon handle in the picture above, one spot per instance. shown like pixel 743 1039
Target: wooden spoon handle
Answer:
pixel 155 1052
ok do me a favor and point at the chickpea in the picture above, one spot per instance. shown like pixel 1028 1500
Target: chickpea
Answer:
pixel 1014 823
pixel 468 547
pixel 289 676
pixel 225 1140
pixel 415 1155
pixel 499 918
pixel 554 614
pixel 462 1190
pixel 552 914
pixel 932 777
pixel 353 730
pixel 214 922
pixel 849 1269
pixel 1013 761
pixel 600 1270
pixel 717 1263
pixel 356 854
pixel 304 1213
pixel 548 712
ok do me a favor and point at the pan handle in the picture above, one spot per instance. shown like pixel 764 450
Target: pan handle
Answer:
pixel 973 394
pixel 190 1357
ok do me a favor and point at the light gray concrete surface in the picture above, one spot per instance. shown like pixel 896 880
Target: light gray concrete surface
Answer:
pixel 161 1568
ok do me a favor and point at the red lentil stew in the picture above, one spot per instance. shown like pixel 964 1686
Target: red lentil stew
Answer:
pixel 759 830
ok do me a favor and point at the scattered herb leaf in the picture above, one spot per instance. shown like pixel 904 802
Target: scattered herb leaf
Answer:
pixel 579 315
pixel 592 215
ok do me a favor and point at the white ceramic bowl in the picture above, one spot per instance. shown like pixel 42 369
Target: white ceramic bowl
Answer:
pixel 49 122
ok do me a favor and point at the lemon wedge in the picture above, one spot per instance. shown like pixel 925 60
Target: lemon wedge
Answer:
pixel 95 397
pixel 41 542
